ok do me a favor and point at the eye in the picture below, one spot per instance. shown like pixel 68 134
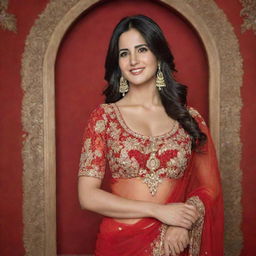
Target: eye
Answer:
pixel 143 49
pixel 123 54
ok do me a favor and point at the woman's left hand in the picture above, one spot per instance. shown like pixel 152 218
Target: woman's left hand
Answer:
pixel 176 240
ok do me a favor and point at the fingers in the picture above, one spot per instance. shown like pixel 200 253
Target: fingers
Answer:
pixel 172 250
pixel 191 213
pixel 166 249
pixel 186 224
pixel 175 241
pixel 178 214
pixel 182 245
pixel 176 249
pixel 191 209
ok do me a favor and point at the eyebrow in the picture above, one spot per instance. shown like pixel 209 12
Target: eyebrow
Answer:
pixel 137 46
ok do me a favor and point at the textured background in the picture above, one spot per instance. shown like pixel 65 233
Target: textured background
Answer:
pixel 70 111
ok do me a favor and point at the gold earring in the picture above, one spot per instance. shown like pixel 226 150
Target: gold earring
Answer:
pixel 160 78
pixel 123 88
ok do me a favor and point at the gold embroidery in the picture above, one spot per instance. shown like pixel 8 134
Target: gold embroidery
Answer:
pixel 124 166
pixel 195 114
pixel 197 228
pixel 91 163
pixel 147 157
pixel 91 173
pixel 100 126
pixel 152 180
pixel 135 134
pixel 153 162
pixel 158 244
pixel 86 161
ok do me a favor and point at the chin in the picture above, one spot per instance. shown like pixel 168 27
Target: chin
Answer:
pixel 141 82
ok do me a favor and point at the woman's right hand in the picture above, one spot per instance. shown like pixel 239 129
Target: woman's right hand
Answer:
pixel 177 214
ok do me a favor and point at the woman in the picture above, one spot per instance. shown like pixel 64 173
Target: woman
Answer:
pixel 165 187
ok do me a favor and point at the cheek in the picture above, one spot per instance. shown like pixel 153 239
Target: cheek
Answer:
pixel 122 64
pixel 150 59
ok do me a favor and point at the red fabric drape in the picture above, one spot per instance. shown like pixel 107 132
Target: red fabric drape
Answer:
pixel 201 186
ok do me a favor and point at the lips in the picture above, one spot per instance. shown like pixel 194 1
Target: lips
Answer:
pixel 136 71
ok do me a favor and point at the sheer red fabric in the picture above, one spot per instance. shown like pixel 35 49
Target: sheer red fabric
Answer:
pixel 198 184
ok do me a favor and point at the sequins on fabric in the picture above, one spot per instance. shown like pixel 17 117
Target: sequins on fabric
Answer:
pixel 194 113
pixel 197 228
pixel 158 244
pixel 130 154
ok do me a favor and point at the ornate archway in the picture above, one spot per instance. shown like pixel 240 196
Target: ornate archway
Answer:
pixel 39 176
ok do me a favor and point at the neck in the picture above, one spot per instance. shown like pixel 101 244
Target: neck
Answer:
pixel 146 95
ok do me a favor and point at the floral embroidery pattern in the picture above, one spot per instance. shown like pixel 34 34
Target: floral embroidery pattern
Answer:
pixel 130 154
pixel 197 228
pixel 194 113
pixel 158 244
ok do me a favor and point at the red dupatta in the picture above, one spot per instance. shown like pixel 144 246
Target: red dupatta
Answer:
pixel 199 186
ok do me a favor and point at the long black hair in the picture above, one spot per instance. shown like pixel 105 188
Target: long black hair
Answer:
pixel 174 95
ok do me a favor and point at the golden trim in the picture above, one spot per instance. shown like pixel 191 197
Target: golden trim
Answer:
pixel 197 228
pixel 249 14
pixel 39 182
pixel 7 20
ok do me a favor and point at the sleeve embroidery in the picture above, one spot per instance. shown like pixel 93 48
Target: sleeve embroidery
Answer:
pixel 195 114
pixel 197 228
pixel 92 160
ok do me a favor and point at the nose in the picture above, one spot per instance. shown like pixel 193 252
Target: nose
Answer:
pixel 133 59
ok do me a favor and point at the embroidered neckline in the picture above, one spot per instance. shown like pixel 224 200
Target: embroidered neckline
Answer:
pixel 142 136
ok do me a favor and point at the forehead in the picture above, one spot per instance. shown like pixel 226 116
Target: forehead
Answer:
pixel 130 39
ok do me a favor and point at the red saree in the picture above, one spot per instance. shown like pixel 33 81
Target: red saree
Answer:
pixel 195 180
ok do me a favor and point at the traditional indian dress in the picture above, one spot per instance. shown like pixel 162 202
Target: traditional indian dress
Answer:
pixel 163 166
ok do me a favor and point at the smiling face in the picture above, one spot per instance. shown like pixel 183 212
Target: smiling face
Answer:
pixel 136 61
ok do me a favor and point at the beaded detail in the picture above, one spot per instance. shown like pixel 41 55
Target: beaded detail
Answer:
pixel 197 228
pixel 130 154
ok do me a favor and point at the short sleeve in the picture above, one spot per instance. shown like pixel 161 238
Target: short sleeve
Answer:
pixel 93 154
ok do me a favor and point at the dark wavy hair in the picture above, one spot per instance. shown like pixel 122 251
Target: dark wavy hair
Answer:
pixel 174 95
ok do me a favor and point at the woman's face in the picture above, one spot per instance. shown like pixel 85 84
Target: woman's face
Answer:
pixel 136 61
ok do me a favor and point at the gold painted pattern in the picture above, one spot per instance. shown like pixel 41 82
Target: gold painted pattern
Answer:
pixel 248 13
pixel 7 21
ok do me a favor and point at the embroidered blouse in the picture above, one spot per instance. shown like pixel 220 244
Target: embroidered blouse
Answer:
pixel 129 154
pixel 192 177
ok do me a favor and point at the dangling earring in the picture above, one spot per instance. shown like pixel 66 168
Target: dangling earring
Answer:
pixel 123 88
pixel 160 78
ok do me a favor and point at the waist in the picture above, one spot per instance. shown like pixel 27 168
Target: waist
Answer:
pixel 136 189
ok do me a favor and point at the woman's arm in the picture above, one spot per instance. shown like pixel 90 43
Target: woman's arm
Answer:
pixel 93 198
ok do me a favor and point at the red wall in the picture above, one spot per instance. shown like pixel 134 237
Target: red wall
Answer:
pixel 11 48
pixel 79 83
pixel 247 42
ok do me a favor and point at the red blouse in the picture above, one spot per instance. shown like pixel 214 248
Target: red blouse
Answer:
pixel 129 154
pixel 135 160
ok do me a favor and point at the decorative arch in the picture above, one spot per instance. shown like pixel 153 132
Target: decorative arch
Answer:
pixel 38 118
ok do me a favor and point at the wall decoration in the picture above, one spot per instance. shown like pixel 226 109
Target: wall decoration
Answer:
pixel 7 20
pixel 39 171
pixel 249 14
